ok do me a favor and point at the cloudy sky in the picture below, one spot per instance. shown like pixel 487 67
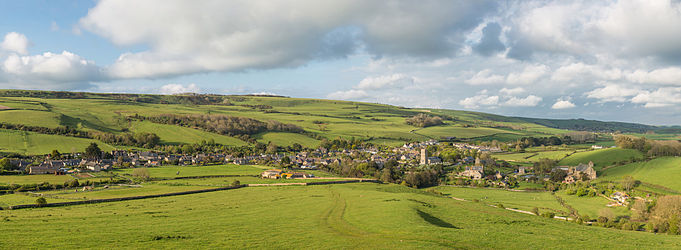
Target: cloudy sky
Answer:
pixel 605 60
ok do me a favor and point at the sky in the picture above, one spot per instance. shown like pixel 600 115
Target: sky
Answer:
pixel 603 60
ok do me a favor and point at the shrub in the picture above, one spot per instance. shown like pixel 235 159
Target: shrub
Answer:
pixel 236 183
pixel 41 201
pixel 549 214
pixel 535 210
pixel 141 173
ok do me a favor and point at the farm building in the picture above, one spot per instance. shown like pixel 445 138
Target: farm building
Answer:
pixel 271 174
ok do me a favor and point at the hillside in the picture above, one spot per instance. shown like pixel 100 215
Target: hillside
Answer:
pixel 318 119
pixel 664 172
pixel 602 157
pixel 339 216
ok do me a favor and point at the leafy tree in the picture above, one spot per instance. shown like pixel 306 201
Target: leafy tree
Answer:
pixel 142 173
pixel 271 148
pixel 628 182
pixel 55 154
pixel 6 164
pixel 558 175
pixel 93 151
pixel 666 214
pixel 386 175
pixel 236 183
pixel 285 161
pixel 41 201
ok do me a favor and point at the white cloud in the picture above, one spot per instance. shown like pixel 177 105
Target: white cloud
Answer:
pixel 173 88
pixel 563 104
pixel 352 94
pixel 49 71
pixel 529 75
pixel 667 76
pixel 529 101
pixel 479 100
pixel 15 42
pixel 485 77
pixel 383 82
pixel 513 91
pixel 185 37
pixel 662 97
pixel 613 93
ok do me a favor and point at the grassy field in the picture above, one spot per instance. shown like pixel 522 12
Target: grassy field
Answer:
pixel 33 143
pixel 34 179
pixel 591 206
pixel 287 139
pixel 340 216
pixel 172 171
pixel 665 171
pixel 533 156
pixel 170 134
pixel 602 157
pixel 511 199
pixel 328 118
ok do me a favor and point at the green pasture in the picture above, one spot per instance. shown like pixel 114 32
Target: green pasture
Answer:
pixel 287 139
pixel 591 205
pixel 339 216
pixel 602 157
pixel 35 144
pixel 30 118
pixel 34 179
pixel 175 135
pixel 511 199
pixel 665 171
pixel 172 171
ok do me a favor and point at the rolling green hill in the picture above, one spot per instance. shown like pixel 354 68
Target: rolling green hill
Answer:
pixel 665 172
pixel 338 216
pixel 377 123
pixel 602 157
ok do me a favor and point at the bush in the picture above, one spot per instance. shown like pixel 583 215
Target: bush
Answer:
pixel 535 210
pixel 423 120
pixel 549 214
pixel 41 201
pixel 141 173
pixel 236 183
pixel 501 206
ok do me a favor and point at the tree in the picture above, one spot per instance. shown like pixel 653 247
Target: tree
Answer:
pixel 93 151
pixel 141 173
pixel 285 161
pixel 55 154
pixel 640 210
pixel 558 175
pixel 666 214
pixel 236 183
pixel 41 201
pixel 6 164
pixel 386 175
pixel 628 182
pixel 271 148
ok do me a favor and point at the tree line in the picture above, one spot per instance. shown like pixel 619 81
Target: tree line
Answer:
pixel 653 148
pixel 424 120
pixel 222 124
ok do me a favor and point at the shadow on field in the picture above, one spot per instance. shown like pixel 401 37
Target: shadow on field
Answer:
pixel 435 220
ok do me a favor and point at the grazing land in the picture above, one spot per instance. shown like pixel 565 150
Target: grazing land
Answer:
pixel 665 172
pixel 335 216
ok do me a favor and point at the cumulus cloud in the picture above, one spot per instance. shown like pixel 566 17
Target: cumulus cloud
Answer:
pixel 352 94
pixel 185 37
pixel 15 42
pixel 667 76
pixel 563 103
pixel 662 97
pixel 529 101
pixel 529 75
pixel 383 82
pixel 485 76
pixel 512 91
pixel 49 70
pixel 174 88
pixel 613 93
pixel 479 100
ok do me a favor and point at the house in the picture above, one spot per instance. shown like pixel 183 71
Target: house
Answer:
pixel 583 170
pixel 620 197
pixel 296 175
pixel 474 172
pixel 271 174
pixel 43 168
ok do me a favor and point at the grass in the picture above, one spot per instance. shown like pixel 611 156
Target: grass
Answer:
pixel 172 171
pixel 34 179
pixel 511 199
pixel 175 135
pixel 459 132
pixel 38 144
pixel 338 216
pixel 287 139
pixel 30 117
pixel 665 171
pixel 591 205
pixel 602 157
pixel 533 156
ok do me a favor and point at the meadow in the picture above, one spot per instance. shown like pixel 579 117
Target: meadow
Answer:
pixel 544 201
pixel 37 144
pixel 602 157
pixel 664 171
pixel 336 216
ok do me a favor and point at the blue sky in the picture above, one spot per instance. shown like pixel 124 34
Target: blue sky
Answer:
pixel 606 60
